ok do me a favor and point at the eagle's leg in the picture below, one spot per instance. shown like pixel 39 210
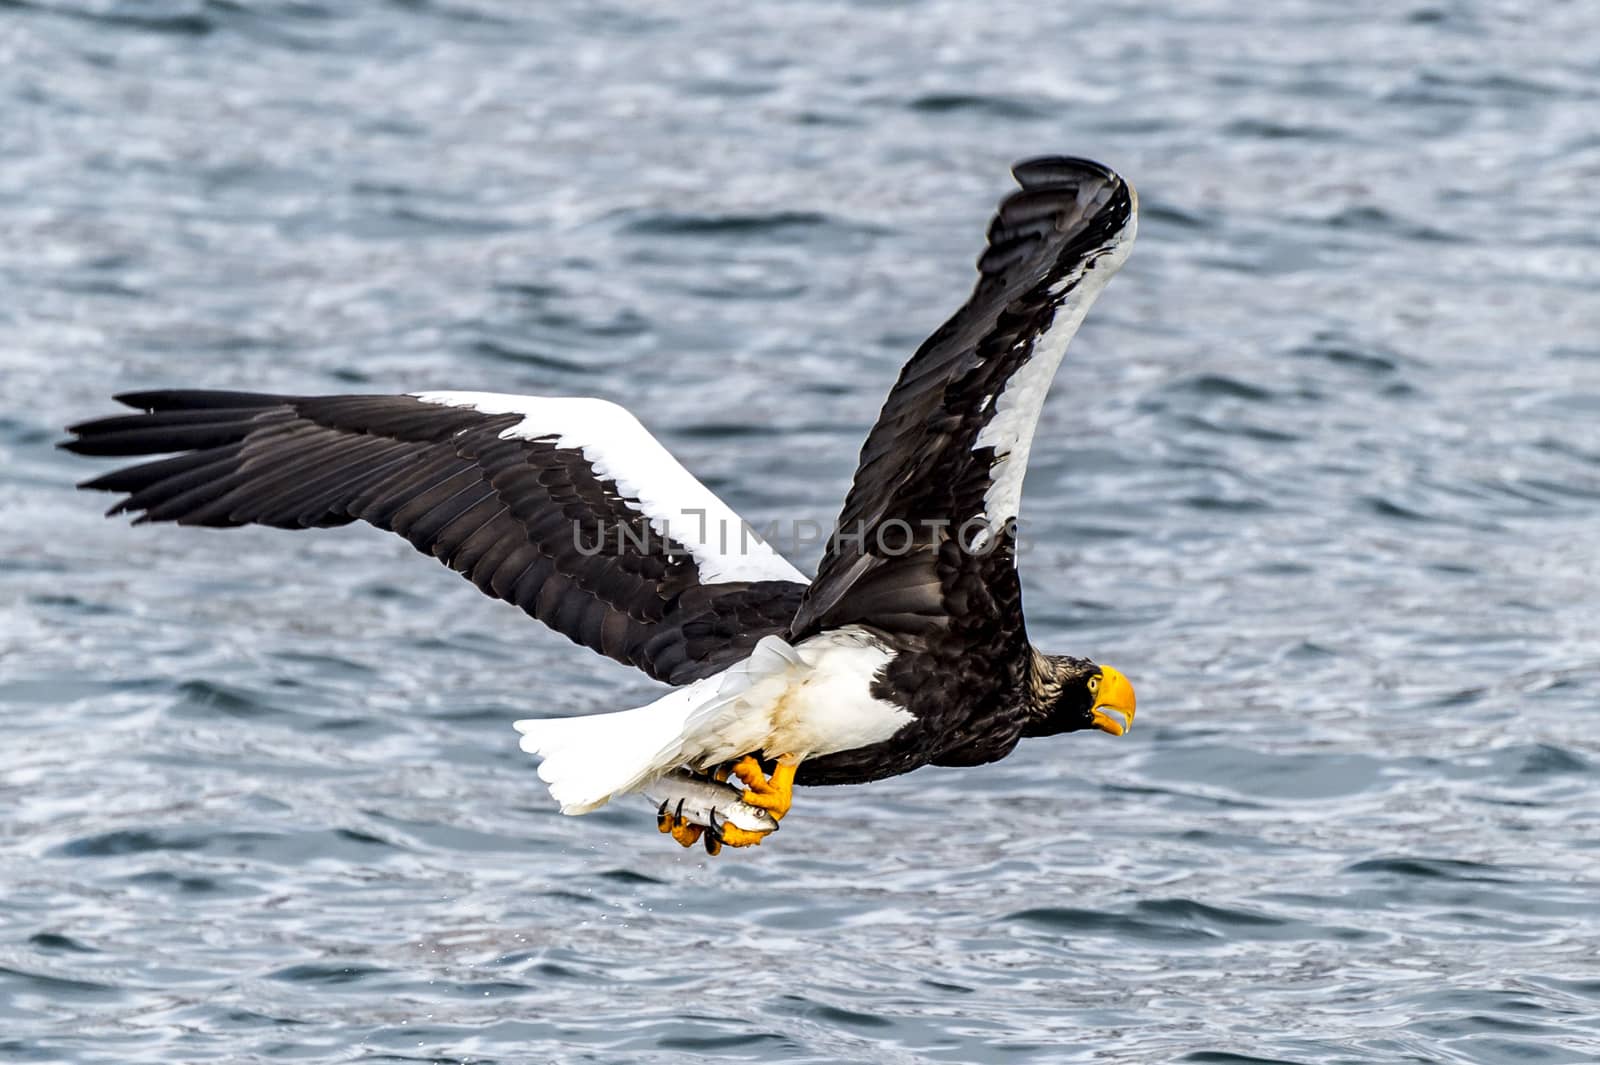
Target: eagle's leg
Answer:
pixel 687 834
pixel 773 794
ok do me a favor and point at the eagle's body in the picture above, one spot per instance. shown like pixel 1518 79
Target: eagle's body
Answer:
pixel 907 649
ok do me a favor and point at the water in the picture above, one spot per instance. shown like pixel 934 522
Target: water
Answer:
pixel 1322 475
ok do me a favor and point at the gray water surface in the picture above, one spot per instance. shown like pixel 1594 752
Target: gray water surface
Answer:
pixel 1322 475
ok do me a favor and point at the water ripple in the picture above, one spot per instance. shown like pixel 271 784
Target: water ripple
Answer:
pixel 1321 474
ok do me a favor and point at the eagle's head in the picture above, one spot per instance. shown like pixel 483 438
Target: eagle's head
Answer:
pixel 1067 694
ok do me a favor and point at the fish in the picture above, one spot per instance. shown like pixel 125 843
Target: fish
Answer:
pixel 702 802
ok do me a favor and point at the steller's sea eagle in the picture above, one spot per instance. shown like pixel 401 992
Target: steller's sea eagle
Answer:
pixel 908 648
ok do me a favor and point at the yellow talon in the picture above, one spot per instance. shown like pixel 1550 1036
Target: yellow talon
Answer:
pixel 773 794
pixel 679 828
pixel 734 836
pixel 686 834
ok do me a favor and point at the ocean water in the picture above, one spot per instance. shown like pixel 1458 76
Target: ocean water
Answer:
pixel 1321 474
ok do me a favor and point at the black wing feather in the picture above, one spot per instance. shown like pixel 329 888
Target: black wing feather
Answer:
pixel 954 614
pixel 507 513
pixel 920 474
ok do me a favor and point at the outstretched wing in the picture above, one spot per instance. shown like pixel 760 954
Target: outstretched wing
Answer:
pixel 926 535
pixel 567 508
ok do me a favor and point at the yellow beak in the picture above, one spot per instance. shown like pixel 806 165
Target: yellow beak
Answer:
pixel 1115 695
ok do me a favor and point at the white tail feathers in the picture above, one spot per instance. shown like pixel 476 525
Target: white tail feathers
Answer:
pixel 589 760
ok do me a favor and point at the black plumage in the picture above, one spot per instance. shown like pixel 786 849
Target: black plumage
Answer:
pixel 955 613
pixel 524 520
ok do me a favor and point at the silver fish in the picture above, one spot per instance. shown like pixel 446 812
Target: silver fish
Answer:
pixel 703 798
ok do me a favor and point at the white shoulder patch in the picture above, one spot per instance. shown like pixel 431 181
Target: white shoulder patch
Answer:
pixel 619 449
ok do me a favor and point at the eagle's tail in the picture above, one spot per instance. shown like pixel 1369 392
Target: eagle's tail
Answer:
pixel 590 760
pixel 587 760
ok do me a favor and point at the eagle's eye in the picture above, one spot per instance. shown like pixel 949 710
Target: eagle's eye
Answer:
pixel 1094 684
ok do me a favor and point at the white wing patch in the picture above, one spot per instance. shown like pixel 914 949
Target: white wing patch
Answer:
pixel 1016 410
pixel 622 451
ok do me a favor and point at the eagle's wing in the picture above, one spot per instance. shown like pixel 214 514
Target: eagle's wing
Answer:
pixel 567 508
pixel 926 535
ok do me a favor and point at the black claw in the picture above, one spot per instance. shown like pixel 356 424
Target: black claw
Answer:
pixel 678 813
pixel 713 836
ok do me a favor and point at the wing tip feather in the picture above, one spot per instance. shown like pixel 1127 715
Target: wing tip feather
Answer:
pixel 1057 171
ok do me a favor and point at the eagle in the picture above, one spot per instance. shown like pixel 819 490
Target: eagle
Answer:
pixel 908 647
